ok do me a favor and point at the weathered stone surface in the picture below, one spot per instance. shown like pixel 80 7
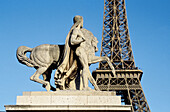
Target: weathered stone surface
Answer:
pixel 69 98
pixel 72 101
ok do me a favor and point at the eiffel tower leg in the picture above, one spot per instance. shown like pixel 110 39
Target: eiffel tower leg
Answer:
pixel 138 99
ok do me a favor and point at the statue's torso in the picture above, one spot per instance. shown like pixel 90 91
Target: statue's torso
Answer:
pixel 87 44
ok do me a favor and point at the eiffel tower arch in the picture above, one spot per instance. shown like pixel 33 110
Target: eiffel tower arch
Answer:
pixel 117 46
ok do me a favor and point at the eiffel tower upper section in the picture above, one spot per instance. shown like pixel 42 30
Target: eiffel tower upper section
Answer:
pixel 115 37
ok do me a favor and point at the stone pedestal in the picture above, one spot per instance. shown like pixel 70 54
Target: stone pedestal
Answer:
pixel 72 101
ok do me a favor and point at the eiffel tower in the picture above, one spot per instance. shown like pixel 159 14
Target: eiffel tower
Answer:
pixel 116 45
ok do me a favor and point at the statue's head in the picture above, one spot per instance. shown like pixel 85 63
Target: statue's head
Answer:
pixel 78 20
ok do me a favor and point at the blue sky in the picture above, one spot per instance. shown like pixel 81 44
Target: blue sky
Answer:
pixel 34 22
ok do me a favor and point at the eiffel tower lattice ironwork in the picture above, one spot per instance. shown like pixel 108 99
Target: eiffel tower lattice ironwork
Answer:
pixel 116 45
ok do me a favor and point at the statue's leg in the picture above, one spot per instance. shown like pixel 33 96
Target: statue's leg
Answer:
pixel 81 80
pixel 84 62
pixel 36 78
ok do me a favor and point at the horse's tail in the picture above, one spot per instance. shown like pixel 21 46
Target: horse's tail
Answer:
pixel 22 58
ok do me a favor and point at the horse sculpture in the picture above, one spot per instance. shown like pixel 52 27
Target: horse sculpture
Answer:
pixel 46 57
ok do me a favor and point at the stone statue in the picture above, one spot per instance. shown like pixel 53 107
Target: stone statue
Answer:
pixel 70 60
pixel 84 45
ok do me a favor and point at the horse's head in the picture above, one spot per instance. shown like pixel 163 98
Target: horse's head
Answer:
pixel 94 43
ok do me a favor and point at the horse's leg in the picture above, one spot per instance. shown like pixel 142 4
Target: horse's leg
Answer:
pixel 47 76
pixel 36 78
pixel 96 59
pixel 110 64
pixel 84 77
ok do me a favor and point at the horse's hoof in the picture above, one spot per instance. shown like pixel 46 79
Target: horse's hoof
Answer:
pixel 48 87
pixel 32 78
pixel 97 89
